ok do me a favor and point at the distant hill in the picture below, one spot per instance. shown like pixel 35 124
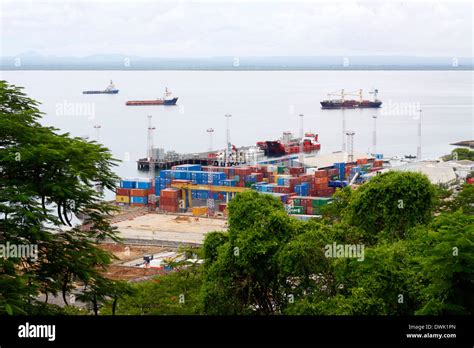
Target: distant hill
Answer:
pixel 34 61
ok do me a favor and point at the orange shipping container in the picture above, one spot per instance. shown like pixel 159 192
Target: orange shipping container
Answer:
pixel 139 192
pixel 321 180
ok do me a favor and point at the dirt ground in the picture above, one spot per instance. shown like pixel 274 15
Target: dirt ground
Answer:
pixel 169 227
pixel 128 253
pixel 116 272
pixel 131 252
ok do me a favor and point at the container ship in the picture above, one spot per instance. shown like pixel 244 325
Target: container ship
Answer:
pixel 109 90
pixel 288 145
pixel 167 99
pixel 343 103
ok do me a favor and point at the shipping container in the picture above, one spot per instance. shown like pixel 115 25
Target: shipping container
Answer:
pixel 128 183
pixel 122 191
pixel 139 199
pixel 144 183
pixel 139 192
pixel 122 199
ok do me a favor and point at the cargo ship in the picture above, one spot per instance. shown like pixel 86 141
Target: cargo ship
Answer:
pixel 167 99
pixel 343 103
pixel 109 90
pixel 288 145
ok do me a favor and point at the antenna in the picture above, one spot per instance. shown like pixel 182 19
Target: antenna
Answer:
pixel 350 141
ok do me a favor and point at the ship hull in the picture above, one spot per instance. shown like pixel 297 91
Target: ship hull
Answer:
pixel 152 102
pixel 351 105
pixel 113 91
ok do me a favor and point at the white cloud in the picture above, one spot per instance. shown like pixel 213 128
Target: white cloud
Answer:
pixel 192 28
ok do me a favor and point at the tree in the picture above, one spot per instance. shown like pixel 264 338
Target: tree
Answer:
pixel 47 181
pixel 392 202
pixel 246 277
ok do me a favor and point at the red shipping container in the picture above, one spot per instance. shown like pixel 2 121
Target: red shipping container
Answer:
pixel 309 210
pixel 242 171
pixel 321 173
pixel 139 192
pixel 362 161
pixel 378 163
pixel 333 171
pixel 321 180
pixel 321 186
pixel 122 191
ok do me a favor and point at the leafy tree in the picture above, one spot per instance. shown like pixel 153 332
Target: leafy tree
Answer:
pixel 47 181
pixel 176 293
pixel 246 276
pixel 392 202
pixel 446 259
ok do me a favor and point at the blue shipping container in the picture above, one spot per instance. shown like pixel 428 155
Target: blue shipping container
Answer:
pixel 128 183
pixel 139 200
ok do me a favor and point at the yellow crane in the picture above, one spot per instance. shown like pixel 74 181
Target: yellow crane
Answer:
pixel 185 187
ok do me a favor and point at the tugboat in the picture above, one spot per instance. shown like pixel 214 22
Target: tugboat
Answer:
pixel 109 90
pixel 344 103
pixel 167 99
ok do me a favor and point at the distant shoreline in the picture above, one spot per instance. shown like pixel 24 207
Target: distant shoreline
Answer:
pixel 2 68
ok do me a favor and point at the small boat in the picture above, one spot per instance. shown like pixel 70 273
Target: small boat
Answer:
pixel 410 156
pixel 109 90
pixel 167 99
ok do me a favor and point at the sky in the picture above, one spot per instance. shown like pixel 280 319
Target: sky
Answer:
pixel 236 28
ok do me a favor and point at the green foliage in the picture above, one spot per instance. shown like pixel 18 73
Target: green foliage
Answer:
pixel 392 202
pixel 462 154
pixel 162 295
pixel 47 180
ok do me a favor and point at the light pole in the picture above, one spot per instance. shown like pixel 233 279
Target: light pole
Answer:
pixel 301 116
pixel 350 150
pixel 151 159
pixel 210 131
pixel 374 135
pixel 97 129
pixel 228 146
pixel 418 150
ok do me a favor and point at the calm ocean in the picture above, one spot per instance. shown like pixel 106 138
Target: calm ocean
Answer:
pixel 263 104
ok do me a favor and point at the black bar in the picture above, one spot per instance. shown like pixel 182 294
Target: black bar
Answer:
pixel 192 330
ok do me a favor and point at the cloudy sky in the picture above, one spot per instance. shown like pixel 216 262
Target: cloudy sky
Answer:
pixel 236 28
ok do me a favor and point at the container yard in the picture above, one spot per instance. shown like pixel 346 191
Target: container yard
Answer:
pixel 206 190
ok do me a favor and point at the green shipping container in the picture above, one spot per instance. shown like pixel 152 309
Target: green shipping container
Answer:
pixel 297 201
pixel 296 210
pixel 280 170
pixel 319 202
pixel 249 184
pixel 335 177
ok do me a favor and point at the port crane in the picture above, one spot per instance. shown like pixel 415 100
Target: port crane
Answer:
pixel 359 93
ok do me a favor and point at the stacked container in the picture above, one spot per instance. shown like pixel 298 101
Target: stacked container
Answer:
pixel 169 200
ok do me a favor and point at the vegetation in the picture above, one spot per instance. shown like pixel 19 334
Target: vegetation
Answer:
pixel 411 244
pixel 46 179
pixel 459 154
